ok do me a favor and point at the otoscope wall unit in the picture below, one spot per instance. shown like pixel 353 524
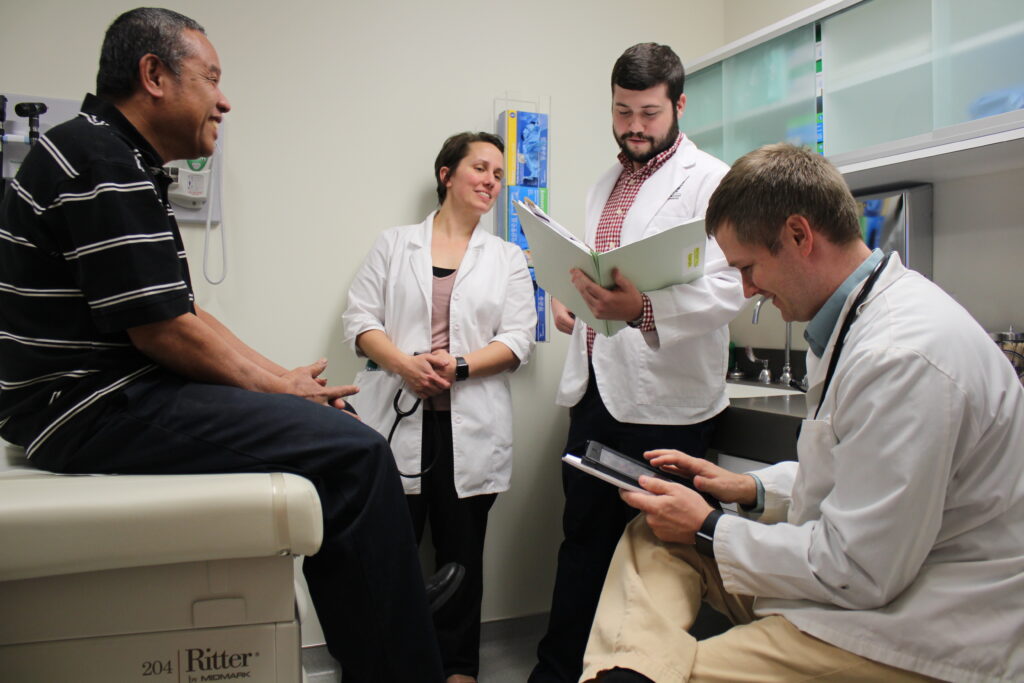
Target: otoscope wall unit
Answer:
pixel 24 118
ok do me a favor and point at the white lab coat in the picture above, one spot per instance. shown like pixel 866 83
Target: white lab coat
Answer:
pixel 492 300
pixel 676 374
pixel 905 534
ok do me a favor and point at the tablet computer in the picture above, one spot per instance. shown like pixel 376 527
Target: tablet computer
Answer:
pixel 623 471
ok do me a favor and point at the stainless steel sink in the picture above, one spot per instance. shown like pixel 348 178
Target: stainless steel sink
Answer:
pixel 755 390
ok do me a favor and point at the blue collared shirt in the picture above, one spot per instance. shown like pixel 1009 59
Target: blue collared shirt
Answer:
pixel 819 329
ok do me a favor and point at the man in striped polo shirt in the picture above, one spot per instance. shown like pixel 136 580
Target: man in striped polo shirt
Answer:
pixel 661 380
pixel 107 364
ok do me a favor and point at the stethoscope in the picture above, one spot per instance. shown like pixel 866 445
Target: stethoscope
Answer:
pixel 844 329
pixel 400 414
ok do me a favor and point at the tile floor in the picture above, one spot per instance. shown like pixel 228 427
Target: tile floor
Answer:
pixel 507 648
pixel 507 652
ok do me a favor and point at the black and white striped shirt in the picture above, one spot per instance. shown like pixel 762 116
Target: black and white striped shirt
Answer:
pixel 88 249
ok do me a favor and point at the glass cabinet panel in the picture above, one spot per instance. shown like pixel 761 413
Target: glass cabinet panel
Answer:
pixel 979 59
pixel 892 71
pixel 877 68
pixel 702 118
pixel 769 94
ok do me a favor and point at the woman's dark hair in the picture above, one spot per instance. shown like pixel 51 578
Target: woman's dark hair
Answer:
pixel 454 150
pixel 134 34
pixel 646 65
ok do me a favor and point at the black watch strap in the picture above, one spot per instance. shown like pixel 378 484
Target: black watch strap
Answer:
pixel 461 369
pixel 706 535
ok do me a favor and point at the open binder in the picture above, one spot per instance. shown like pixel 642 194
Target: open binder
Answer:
pixel 671 257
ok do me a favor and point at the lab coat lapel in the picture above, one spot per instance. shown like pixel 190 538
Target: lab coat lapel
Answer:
pixel 664 185
pixel 472 256
pixel 420 260
pixel 817 369
pixel 597 198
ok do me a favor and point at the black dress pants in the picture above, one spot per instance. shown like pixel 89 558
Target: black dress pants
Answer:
pixel 365 581
pixel 457 530
pixel 592 522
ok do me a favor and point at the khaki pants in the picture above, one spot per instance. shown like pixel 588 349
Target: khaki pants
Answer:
pixel 650 599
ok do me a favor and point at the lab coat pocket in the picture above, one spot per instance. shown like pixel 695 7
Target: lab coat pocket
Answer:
pixel 652 389
pixel 816 476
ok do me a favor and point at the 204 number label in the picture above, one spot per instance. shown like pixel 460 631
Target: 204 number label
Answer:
pixel 157 667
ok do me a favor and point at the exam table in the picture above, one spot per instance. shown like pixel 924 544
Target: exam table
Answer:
pixel 177 578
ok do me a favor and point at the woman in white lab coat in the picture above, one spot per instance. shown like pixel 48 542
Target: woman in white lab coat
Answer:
pixel 443 310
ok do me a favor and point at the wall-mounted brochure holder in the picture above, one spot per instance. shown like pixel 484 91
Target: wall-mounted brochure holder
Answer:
pixel 524 125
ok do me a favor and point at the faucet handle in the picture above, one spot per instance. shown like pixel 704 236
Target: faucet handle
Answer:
pixel 787 375
pixel 766 375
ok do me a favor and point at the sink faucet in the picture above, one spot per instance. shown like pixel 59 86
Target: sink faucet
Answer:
pixel 787 374
pixel 757 309
pixel 766 375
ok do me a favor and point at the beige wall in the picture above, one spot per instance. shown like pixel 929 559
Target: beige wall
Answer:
pixel 743 17
pixel 339 109
pixel 979 246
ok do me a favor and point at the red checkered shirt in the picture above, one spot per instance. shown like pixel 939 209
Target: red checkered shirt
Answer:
pixel 609 228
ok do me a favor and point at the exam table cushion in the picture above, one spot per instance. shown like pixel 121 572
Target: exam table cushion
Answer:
pixel 63 524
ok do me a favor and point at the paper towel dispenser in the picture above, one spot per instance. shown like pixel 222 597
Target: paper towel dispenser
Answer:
pixel 899 220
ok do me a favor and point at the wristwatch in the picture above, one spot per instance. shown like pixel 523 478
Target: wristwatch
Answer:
pixel 461 369
pixel 706 535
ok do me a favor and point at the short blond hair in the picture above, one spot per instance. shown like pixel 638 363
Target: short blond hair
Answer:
pixel 767 186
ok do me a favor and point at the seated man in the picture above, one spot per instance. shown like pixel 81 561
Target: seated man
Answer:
pixel 107 365
pixel 893 549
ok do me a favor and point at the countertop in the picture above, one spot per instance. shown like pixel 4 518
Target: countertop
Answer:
pixel 761 428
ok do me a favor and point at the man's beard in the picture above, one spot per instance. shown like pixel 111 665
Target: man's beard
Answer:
pixel 657 146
